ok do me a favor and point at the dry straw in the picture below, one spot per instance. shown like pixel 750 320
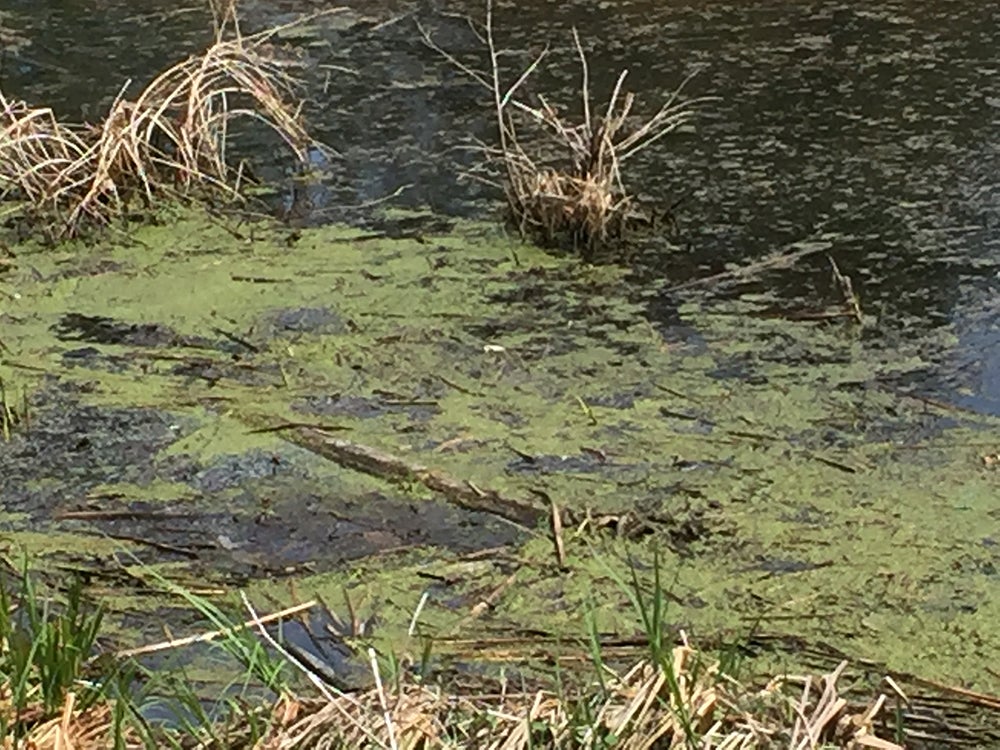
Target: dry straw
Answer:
pixel 694 707
pixel 169 141
pixel 685 704
pixel 683 700
pixel 568 184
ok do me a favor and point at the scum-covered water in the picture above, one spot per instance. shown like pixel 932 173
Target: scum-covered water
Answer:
pixel 780 466
pixel 876 128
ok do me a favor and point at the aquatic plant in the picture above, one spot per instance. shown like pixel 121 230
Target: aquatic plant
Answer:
pixel 44 649
pixel 170 140
pixel 576 192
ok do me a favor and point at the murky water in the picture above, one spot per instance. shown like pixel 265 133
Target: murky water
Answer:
pixel 873 131
pixel 877 129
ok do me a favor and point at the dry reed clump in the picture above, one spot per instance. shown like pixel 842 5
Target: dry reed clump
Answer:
pixel 579 194
pixel 565 184
pixel 684 704
pixel 170 140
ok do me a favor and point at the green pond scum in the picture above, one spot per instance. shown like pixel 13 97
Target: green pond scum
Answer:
pixel 775 468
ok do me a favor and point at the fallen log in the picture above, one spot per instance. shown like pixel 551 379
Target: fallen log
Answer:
pixel 386 466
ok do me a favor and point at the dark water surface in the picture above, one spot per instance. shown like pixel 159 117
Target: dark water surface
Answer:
pixel 877 130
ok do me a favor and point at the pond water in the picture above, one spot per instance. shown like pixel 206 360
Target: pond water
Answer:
pixel 875 128
pixel 779 450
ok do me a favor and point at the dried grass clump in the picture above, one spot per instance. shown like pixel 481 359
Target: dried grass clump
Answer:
pixel 565 184
pixel 41 159
pixel 75 729
pixel 684 704
pixel 169 141
pixel 579 194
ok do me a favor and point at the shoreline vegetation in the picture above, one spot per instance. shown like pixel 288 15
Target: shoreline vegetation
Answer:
pixel 168 144
pixel 62 689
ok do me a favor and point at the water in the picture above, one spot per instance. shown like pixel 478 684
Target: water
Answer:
pixel 774 446
pixel 875 129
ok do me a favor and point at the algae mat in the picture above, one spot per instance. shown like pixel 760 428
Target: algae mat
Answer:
pixel 773 468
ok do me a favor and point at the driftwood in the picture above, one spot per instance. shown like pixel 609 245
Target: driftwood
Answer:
pixel 322 440
pixel 784 258
pixel 370 461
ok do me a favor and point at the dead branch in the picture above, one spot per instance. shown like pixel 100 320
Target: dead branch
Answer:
pixel 376 463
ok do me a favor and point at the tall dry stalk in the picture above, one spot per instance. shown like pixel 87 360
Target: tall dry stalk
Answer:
pixel 578 193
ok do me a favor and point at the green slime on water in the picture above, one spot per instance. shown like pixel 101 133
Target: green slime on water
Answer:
pixel 823 504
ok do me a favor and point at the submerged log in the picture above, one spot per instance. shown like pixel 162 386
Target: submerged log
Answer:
pixel 386 466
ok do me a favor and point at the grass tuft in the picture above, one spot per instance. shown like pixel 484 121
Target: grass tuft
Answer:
pixel 44 649
pixel 169 141
pixel 564 177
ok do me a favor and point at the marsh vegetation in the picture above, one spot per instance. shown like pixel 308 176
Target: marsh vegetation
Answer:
pixel 62 690
pixel 564 173
pixel 168 143
pixel 491 496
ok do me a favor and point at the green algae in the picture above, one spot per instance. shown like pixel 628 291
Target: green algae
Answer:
pixel 155 491
pixel 62 545
pixel 788 486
